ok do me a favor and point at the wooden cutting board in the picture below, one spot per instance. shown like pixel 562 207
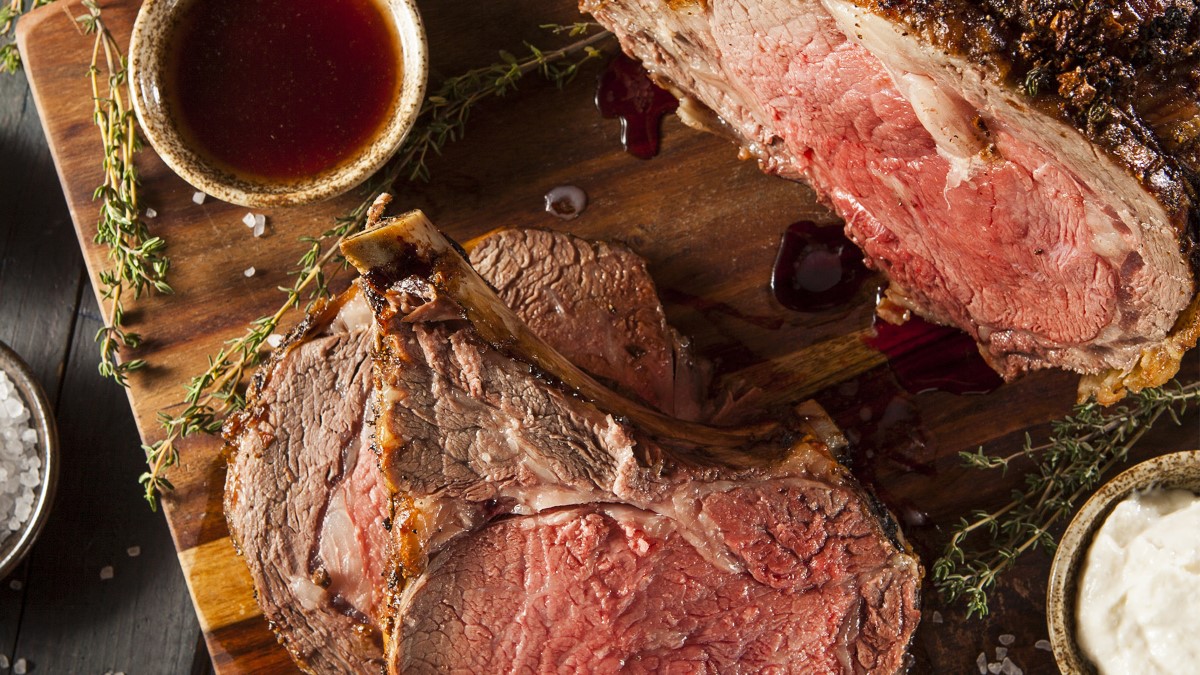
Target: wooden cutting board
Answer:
pixel 709 225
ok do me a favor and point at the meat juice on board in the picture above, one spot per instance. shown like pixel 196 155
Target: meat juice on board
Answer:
pixel 819 268
pixel 816 268
pixel 282 89
pixel 626 91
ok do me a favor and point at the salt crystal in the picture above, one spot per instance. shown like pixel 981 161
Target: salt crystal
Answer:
pixel 199 197
pixel 260 225
pixel 106 572
pixel 133 551
pixel 20 466
pixel 982 663
pixel 151 213
pixel 1001 652
pixel 249 271
pixel 3 661
pixel 937 617
pixel 274 340
pixel 994 668
pixel 1043 645
pixel 1007 667
pixel 16 584
pixel 1007 639
pixel 19 668
pixel 248 219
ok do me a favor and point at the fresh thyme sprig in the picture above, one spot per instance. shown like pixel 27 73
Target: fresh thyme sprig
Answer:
pixel 10 11
pixel 216 392
pixel 138 260
pixel 1082 448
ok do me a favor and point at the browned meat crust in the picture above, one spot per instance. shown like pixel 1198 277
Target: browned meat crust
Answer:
pixel 1125 73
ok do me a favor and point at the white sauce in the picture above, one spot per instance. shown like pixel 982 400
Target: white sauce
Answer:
pixel 1139 598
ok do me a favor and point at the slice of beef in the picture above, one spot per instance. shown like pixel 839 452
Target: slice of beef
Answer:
pixel 595 303
pixel 542 523
pixel 304 497
pixel 1005 163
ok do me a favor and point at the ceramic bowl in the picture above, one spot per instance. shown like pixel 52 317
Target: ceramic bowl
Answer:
pixel 148 51
pixel 17 544
pixel 1177 470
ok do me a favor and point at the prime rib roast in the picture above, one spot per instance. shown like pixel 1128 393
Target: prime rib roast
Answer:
pixel 1024 170
pixel 427 480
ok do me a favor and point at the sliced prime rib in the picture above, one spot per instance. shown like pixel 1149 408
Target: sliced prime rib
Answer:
pixel 1024 170
pixel 541 522
pixel 304 497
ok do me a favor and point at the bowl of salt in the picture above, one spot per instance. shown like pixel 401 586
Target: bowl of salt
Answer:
pixel 28 459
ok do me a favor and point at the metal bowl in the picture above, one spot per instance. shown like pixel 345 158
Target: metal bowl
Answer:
pixel 1175 470
pixel 17 544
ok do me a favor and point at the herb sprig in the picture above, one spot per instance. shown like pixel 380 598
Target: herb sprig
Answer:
pixel 215 393
pixel 138 260
pixel 10 11
pixel 1081 449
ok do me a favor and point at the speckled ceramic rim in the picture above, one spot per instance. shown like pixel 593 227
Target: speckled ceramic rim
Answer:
pixel 13 550
pixel 1176 470
pixel 147 57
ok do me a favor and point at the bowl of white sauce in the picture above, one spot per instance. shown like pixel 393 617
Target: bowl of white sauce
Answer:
pixel 28 459
pixel 1124 590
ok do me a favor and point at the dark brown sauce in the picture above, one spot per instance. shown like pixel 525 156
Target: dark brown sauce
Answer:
pixel 928 357
pixel 626 91
pixel 282 89
pixel 816 268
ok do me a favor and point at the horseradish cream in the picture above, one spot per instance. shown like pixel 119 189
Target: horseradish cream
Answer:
pixel 1138 609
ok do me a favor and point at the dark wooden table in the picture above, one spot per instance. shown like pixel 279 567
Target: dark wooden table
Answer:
pixel 55 611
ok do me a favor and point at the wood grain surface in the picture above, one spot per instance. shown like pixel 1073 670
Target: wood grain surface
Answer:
pixel 56 612
pixel 709 226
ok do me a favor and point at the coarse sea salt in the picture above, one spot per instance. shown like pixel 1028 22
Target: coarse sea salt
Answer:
pixel 20 465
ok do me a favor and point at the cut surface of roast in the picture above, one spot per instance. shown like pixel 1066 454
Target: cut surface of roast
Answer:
pixel 305 500
pixel 1040 196
pixel 534 530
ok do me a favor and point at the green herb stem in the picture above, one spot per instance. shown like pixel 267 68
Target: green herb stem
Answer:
pixel 216 392
pixel 1082 449
pixel 137 258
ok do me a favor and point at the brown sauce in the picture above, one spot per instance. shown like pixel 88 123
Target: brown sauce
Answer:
pixel 282 89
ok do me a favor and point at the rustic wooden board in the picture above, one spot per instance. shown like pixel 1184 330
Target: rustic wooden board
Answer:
pixel 708 224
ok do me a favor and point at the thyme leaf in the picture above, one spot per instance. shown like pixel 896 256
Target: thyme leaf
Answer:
pixel 1081 449
pixel 10 11
pixel 215 393
pixel 137 258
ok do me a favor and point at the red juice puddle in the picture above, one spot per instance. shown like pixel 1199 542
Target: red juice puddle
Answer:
pixel 816 268
pixel 626 91
pixel 927 357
